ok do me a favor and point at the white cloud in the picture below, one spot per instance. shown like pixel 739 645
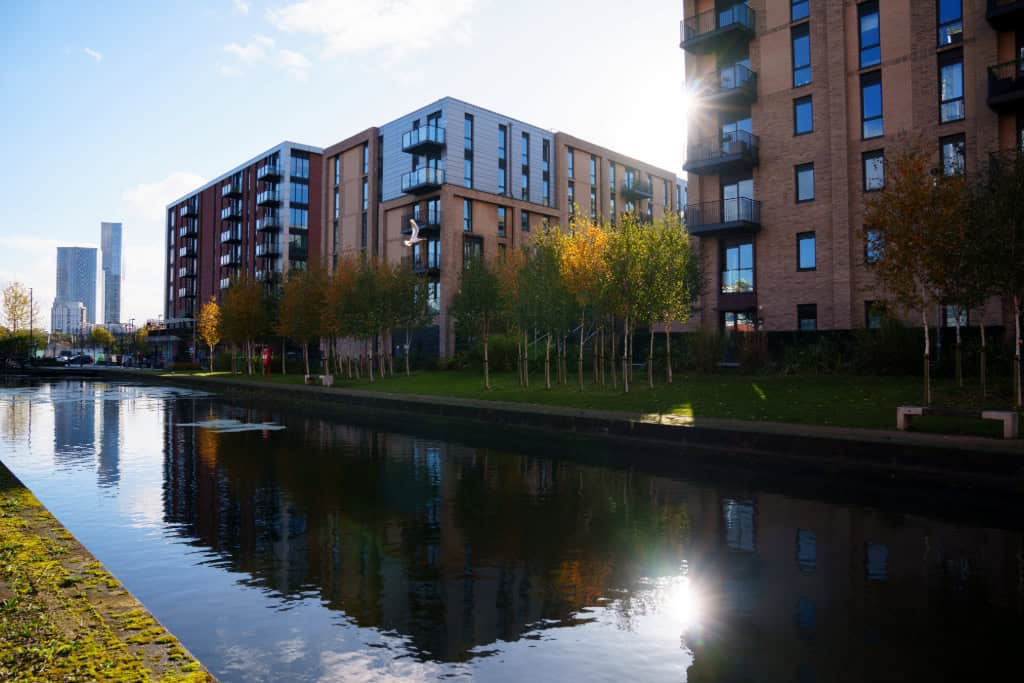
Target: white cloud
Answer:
pixel 354 26
pixel 240 6
pixel 98 56
pixel 228 71
pixel 253 51
pixel 295 63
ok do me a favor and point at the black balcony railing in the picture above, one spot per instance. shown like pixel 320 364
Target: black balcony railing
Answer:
pixel 427 220
pixel 231 235
pixel 190 209
pixel 231 259
pixel 721 153
pixel 268 222
pixel 187 272
pixel 422 138
pixel 740 214
pixel 422 179
pixel 731 84
pixel 700 33
pixel 231 212
pixel 637 189
pixel 268 197
pixel 268 172
pixel 268 249
pixel 268 276
pixel 231 189
pixel 1006 85
pixel 1005 15
pixel 190 228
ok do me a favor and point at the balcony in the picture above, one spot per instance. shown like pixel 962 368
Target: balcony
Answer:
pixel 268 276
pixel 189 228
pixel 725 216
pixel 188 291
pixel 231 212
pixel 1005 15
pixel 189 210
pixel 1006 86
pixel 724 153
pixel 231 190
pixel 268 172
pixel 187 272
pixel 270 222
pixel 232 235
pixel 711 30
pixel 187 251
pixel 423 179
pixel 232 259
pixel 731 85
pixel 636 189
pixel 427 220
pixel 269 198
pixel 268 249
pixel 432 266
pixel 423 139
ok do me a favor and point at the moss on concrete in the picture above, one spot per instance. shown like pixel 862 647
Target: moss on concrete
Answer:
pixel 63 617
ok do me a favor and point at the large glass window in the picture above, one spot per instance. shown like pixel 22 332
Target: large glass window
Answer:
pixel 472 248
pixel 501 221
pixel 807 317
pixel 870 43
pixel 872 245
pixel 299 193
pixel 803 115
pixel 953 155
pixel 298 218
pixel 337 170
pixel 524 220
pixel 571 198
pixel 799 9
pixel 738 268
pixel 871 104
pixel 801 36
pixel 366 158
pixel 806 251
pixel 805 182
pixel 467 172
pixel 300 167
pixel 467 215
pixel 570 162
pixel 467 132
pixel 593 203
pixel 951 21
pixel 874 170
pixel 951 86
pixel 366 194
pixel 593 170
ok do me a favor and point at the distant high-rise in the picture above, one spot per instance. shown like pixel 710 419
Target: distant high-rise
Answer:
pixel 76 278
pixel 110 247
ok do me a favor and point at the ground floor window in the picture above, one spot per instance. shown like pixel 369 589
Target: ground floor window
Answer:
pixel 872 315
pixel 739 321
pixel 807 317
pixel 737 267
pixel 950 312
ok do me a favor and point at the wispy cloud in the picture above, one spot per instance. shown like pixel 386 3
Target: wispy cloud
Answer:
pixel 261 49
pixel 398 27
pixel 98 56
pixel 295 63
pixel 253 51
pixel 240 6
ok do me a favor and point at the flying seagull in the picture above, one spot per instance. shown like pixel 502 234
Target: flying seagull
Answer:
pixel 415 234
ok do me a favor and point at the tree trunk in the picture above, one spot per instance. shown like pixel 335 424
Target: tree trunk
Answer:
pixel 1019 403
pixel 248 355
pixel 625 356
pixel 668 354
pixel 487 369
pixel 407 373
pixel 650 358
pixel 526 360
pixel 579 363
pixel 958 360
pixel 284 355
pixel 984 373
pixel 305 355
pixel 211 357
pixel 547 361
pixel 613 359
pixel 927 354
pixel 369 364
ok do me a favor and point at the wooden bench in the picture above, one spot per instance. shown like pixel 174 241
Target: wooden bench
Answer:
pixel 323 380
pixel 1007 417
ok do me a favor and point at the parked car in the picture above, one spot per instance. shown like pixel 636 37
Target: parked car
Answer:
pixel 84 359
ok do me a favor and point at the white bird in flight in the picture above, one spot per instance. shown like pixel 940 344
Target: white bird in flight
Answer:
pixel 415 234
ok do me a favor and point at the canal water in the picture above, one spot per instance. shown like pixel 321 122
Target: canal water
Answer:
pixel 282 545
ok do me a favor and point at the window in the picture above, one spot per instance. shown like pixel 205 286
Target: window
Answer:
pixel 545 172
pixel 872 245
pixel 876 562
pixel 593 203
pixel 951 313
pixel 472 249
pixel 593 170
pixel 801 37
pixel 805 251
pixel 366 194
pixel 300 167
pixel 337 203
pixel 366 158
pixel 524 181
pixel 545 155
pixel 467 215
pixel 870 46
pixel 951 86
pixel 951 24
pixel 873 315
pixel 952 151
pixel 803 116
pixel 571 198
pixel 806 551
pixel 434 295
pixel 363 231
pixel 611 178
pixel 524 221
pixel 298 218
pixel 738 268
pixel 799 9
pixel 299 193
pixel 433 254
pixel 501 221
pixel 467 139
pixel 467 133
pixel 807 317
pixel 467 172
pixel 871 104
pixel 501 181
pixel 739 525
pixel 569 162
pixel 337 170
pixel 874 170
pixel 804 182
pixel 611 209
pixel 525 149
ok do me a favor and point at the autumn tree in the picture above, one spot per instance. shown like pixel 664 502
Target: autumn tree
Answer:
pixel 544 300
pixel 300 310
pixel 338 317
pixel 585 273
pixel 477 305
pixel 244 316
pixel 208 326
pixel 101 337
pixel 411 303
pixel 624 260
pixel 17 307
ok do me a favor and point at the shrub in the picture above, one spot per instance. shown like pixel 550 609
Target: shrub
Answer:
pixel 182 365
pixel 702 350
pixel 752 351
pixel 893 349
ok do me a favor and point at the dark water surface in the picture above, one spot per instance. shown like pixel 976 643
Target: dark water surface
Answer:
pixel 332 551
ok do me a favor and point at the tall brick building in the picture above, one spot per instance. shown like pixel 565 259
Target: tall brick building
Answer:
pixel 798 102
pixel 475 181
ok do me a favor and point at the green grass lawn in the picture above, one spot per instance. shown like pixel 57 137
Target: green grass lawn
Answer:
pixel 845 401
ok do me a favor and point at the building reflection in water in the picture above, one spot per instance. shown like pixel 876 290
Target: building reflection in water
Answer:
pixel 459 548
pixel 108 468
pixel 74 424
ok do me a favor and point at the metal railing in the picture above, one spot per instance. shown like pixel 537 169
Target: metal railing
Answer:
pixel 714 19
pixel 427 220
pixel 736 210
pixel 637 189
pixel 723 145
pixel 422 177
pixel 268 197
pixel 268 171
pixel 270 221
pixel 735 79
pixel 424 135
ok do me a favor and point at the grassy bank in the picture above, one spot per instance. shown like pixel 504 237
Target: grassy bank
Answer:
pixel 63 617
pixel 831 400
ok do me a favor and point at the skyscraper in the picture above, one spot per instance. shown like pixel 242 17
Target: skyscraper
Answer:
pixel 110 246
pixel 76 278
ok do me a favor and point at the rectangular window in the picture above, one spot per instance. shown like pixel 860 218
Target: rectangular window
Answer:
pixel 804 182
pixel 366 194
pixel 300 167
pixel 501 251
pixel 571 199
pixel 950 20
pixel 524 183
pixel 524 220
pixel 870 43
pixel 950 314
pixel 467 215
pixel 525 149
pixel 801 38
pixel 738 268
pixel 611 178
pixel 951 86
pixel 545 155
pixel 807 317
pixel 472 249
pixel 502 141
pixel 871 104
pixel 799 9
pixel 501 221
pixel 467 172
pixel 501 181
pixel 803 115
pixel 952 151
pixel 364 232
pixel 502 163
pixel 593 203
pixel 467 132
pixel 337 170
pixel 467 141
pixel 298 218
pixel 611 209
pixel 874 170
pixel 806 251
pixel 366 158
pixel 593 170
pixel 873 314
pixel 570 162
pixel 434 295
pixel 872 245
pixel 299 193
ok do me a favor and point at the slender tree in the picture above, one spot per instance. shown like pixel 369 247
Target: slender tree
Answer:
pixel 411 304
pixel 245 316
pixel 584 271
pixel 477 305
pixel 208 326
pixel 300 313
pixel 17 308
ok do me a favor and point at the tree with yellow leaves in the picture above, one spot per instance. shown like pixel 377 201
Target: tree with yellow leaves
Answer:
pixel 208 326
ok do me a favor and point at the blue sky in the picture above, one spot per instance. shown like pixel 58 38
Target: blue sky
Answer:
pixel 112 109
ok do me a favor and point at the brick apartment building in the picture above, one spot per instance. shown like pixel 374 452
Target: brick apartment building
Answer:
pixel 475 181
pixel 798 103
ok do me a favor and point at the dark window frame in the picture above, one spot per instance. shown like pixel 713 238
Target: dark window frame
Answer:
pixel 947 139
pixel 867 80
pixel 796 32
pixel 806 9
pixel 724 247
pixel 950 58
pixel 800 237
pixel 865 9
pixel 796 179
pixel 864 158
pixel 950 39
pixel 807 99
pixel 801 314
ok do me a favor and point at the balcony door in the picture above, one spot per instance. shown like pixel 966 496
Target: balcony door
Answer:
pixel 734 194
